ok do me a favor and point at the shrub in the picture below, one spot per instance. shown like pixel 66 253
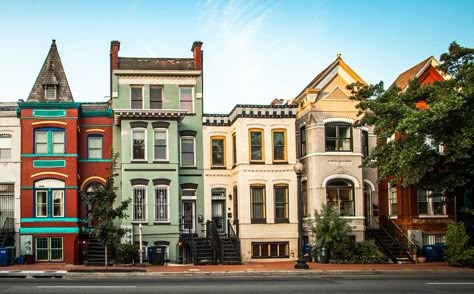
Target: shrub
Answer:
pixel 368 252
pixel 127 253
pixel 458 251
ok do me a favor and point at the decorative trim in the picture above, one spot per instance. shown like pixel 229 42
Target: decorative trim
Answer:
pixel 338 119
pixel 90 179
pixel 157 182
pixel 66 187
pixel 49 122
pixel 95 130
pixel 49 163
pixel 189 186
pixel 188 133
pixel 160 124
pixel 49 155
pixel 143 182
pixel 49 219
pixel 49 113
pixel 151 169
pixel 49 173
pixel 354 180
pixel 95 160
pixel 50 230
pixel 138 124
pixel 372 186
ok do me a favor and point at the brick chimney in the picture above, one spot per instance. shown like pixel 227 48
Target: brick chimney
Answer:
pixel 197 54
pixel 114 49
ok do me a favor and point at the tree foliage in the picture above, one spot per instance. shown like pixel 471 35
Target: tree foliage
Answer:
pixel 458 251
pixel 105 210
pixel 448 121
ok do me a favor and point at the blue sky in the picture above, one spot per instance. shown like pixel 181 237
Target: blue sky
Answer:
pixel 254 51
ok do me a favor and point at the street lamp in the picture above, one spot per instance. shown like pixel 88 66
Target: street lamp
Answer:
pixel 301 263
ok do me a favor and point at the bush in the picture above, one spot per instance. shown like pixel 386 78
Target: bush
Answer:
pixel 362 252
pixel 458 251
pixel 127 253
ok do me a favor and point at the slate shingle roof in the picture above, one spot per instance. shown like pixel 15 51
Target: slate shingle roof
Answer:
pixel 52 73
pixel 143 63
pixel 404 78
pixel 98 106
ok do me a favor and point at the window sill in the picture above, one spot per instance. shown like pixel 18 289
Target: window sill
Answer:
pixel 258 221
pixel 282 221
pixel 280 162
pixel 138 161
pixel 257 162
pixel 218 167
pixel 161 161
pixel 188 167
pixel 161 223
pixel 140 222
pixel 433 216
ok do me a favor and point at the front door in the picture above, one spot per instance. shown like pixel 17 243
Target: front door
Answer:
pixel 189 216
pixel 218 215
pixel 368 206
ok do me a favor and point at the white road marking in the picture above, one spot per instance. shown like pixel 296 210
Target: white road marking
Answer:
pixel 86 286
pixel 450 283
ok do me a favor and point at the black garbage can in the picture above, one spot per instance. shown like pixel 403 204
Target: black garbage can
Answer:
pixel 156 255
pixel 322 255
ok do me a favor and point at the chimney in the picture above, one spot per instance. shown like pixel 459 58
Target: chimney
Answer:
pixel 114 49
pixel 197 54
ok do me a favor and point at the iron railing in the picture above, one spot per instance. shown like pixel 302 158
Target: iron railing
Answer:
pixel 6 230
pixel 407 244
pixel 233 237
pixel 213 234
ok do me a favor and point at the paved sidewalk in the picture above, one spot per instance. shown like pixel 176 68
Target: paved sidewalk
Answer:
pixel 261 267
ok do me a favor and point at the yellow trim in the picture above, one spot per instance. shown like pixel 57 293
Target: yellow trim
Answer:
pixel 352 73
pixel 287 200
pixel 234 148
pixel 48 122
pixel 285 146
pixel 95 130
pixel 264 198
pixel 262 146
pixel 91 178
pixel 224 155
pixel 49 173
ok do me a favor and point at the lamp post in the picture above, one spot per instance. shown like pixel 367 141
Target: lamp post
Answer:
pixel 301 263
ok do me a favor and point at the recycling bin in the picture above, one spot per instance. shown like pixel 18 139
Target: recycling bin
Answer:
pixel 156 255
pixel 435 252
pixel 7 256
pixel 322 255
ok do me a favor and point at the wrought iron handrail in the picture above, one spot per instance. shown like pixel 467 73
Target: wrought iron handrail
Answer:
pixel 7 228
pixel 213 234
pixel 398 233
pixel 233 237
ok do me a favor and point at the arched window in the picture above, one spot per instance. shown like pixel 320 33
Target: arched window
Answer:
pixel 340 196
pixel 49 198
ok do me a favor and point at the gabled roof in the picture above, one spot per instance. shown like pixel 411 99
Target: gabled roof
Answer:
pixel 404 78
pixel 144 63
pixel 326 72
pixel 51 74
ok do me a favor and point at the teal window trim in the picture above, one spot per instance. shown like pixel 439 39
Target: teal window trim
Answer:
pixel 95 160
pixel 49 140
pixel 49 113
pixel 49 219
pixel 50 155
pixel 49 203
pixel 95 136
pixel 49 163
pixel 67 187
pixel 50 230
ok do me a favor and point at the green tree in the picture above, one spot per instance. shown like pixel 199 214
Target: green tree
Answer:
pixel 105 211
pixel 458 251
pixel 330 229
pixel 448 121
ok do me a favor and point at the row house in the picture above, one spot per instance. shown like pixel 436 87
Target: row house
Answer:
pixel 331 150
pixel 415 211
pixel 157 111
pixel 64 148
pixel 250 186
pixel 10 175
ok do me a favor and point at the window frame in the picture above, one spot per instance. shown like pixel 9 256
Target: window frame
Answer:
pixel 166 204
pixel 144 204
pixel 191 101
pixel 302 141
pixel 132 87
pixel 364 135
pixel 47 92
pixel 234 149
pixel 339 189
pixel 262 146
pixel 6 146
pixel 285 203
pixel 136 130
pixel 261 245
pixel 392 198
pixel 218 138
pixel 49 204
pixel 95 136
pixel 263 204
pixel 430 203
pixel 338 138
pixel 159 101
pixel 50 140
pixel 285 146
pixel 181 151
pixel 165 130
pixel 49 249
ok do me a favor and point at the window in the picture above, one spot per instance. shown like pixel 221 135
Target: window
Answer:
pixel 188 213
pixel 279 145
pixel 139 203
pixel 49 249
pixel 256 145
pixel 162 205
pixel 365 143
pixel 270 250
pixel 218 151
pixel 235 200
pixel 187 152
pixel 303 141
pixel 340 196
pixel 161 145
pixel 136 97
pixel 281 203
pixel 186 99
pixel 156 97
pixel 49 198
pixel 392 198
pixel 430 204
pixel 338 137
pixel 50 92
pixel 5 146
pixel 305 198
pixel 94 147
pixel 7 204
pixel 49 141
pixel 234 150
pixel 432 239
pixel 257 204
pixel 138 152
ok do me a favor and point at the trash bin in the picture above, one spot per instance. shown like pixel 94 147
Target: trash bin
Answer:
pixel 12 254
pixel 156 255
pixel 435 252
pixel 322 255
pixel 7 256
pixel 307 252
pixel 20 260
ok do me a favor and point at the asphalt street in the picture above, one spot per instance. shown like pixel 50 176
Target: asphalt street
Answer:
pixel 341 283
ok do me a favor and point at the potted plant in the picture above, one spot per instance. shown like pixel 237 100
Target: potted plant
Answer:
pixel 420 256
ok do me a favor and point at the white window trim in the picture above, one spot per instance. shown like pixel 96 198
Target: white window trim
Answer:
pixel 9 141
pixel 55 95
pixel 430 213
pixel 181 151
pixel 36 203
pixel 167 144
pixel 193 98
pixel 130 99
pixel 389 194
pixel 145 199
pixel 131 145
pixel 167 204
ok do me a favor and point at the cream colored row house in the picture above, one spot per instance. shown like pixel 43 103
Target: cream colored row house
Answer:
pixel 331 150
pixel 250 188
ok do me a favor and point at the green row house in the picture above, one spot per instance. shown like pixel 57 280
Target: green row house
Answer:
pixel 158 105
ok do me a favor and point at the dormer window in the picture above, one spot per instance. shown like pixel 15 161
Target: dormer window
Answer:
pixel 50 92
